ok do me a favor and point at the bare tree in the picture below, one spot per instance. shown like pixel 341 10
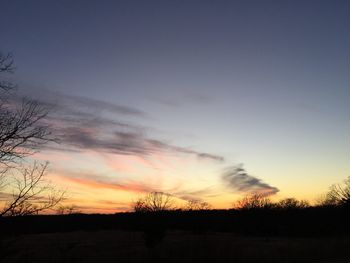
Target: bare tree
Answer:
pixel 253 201
pixel 22 132
pixel 292 203
pixel 154 202
pixel 67 210
pixel 339 194
pixel 31 193
pixel 195 204
pixel 22 127
pixel 322 200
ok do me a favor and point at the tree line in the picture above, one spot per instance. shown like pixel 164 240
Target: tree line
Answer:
pixel 337 196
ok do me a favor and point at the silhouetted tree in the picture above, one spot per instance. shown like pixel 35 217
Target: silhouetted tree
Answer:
pixel 154 202
pixel 323 201
pixel 339 194
pixel 67 210
pixel 22 128
pixel 31 194
pixel 22 132
pixel 195 204
pixel 253 201
pixel 154 225
pixel 292 203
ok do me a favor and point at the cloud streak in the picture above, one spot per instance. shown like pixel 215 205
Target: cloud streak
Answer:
pixel 239 180
pixel 96 181
pixel 87 124
pixel 99 105
pixel 123 143
pixel 197 195
pixel 81 105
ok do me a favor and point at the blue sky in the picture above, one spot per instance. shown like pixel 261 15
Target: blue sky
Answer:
pixel 264 83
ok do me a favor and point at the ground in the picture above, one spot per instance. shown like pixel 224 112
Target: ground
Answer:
pixel 123 246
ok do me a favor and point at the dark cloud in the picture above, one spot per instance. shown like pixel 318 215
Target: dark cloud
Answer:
pixel 197 195
pixel 88 124
pixel 169 147
pixel 211 156
pixel 237 179
pixel 79 104
pixel 124 143
pixel 83 138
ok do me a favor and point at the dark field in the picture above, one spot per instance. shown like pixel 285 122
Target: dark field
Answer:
pixel 177 246
pixel 301 235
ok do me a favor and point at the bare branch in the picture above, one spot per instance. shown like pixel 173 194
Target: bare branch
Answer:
pixel 291 203
pixel 339 194
pixel 195 204
pixel 22 130
pixel 253 201
pixel 6 66
pixel 67 210
pixel 154 202
pixel 32 194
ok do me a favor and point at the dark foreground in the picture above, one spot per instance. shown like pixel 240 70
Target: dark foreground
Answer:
pixel 307 235
pixel 177 246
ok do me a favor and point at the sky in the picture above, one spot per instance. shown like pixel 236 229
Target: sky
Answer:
pixel 206 100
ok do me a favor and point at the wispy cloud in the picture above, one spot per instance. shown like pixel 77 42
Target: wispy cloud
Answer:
pixel 239 180
pixel 84 102
pixel 165 146
pixel 96 181
pixel 123 143
pixel 89 124
pixel 198 195
pixel 79 104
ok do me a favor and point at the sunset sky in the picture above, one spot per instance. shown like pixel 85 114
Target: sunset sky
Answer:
pixel 172 95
